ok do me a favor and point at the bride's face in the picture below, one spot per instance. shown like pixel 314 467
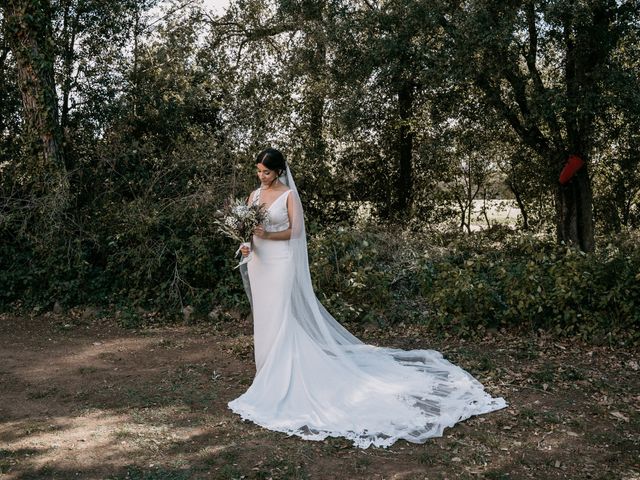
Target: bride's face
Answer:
pixel 266 176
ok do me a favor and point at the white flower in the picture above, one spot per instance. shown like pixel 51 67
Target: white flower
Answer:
pixel 241 210
pixel 231 222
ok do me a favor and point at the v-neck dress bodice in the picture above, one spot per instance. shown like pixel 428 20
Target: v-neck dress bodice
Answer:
pixel 277 214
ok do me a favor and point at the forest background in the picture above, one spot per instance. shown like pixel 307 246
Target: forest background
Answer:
pixel 125 125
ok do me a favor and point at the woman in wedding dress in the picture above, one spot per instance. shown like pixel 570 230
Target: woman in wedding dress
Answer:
pixel 313 378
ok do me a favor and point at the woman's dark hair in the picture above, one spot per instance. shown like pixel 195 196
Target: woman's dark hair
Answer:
pixel 272 159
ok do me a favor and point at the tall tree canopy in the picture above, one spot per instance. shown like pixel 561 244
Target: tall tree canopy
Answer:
pixel 124 125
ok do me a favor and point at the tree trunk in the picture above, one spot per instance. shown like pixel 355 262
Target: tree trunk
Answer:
pixel 463 214
pixel 69 31
pixel 574 212
pixel 28 28
pixel 523 209
pixel 484 207
pixel 404 184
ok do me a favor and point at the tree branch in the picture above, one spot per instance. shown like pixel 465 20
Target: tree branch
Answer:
pixel 531 135
pixel 531 59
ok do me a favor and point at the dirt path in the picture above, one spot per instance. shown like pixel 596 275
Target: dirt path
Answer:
pixel 85 399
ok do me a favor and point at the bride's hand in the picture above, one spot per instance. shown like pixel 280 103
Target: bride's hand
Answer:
pixel 260 232
pixel 245 251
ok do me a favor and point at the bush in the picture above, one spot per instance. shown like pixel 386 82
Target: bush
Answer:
pixel 535 283
pixel 141 235
pixel 164 252
pixel 463 284
pixel 361 275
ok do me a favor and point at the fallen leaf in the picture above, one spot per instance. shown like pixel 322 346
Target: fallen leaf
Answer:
pixel 619 416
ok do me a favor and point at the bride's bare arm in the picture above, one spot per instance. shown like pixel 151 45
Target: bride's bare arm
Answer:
pixel 282 235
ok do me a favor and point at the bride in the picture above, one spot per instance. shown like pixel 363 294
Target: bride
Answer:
pixel 313 378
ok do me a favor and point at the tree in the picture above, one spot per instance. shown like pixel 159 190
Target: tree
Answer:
pixel 28 28
pixel 385 50
pixel 10 101
pixel 617 165
pixel 543 66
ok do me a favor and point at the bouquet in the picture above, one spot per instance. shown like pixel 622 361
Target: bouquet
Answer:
pixel 238 220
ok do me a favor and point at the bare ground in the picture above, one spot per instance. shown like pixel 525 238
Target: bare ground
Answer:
pixel 83 398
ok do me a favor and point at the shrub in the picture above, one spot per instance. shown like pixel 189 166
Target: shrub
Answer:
pixel 462 284
pixel 360 275
pixel 532 282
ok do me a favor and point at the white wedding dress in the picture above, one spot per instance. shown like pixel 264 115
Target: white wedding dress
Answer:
pixel 314 379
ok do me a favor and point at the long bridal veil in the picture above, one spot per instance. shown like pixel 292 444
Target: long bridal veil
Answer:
pixel 323 381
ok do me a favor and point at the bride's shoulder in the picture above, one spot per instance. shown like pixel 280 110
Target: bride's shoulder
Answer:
pixel 284 189
pixel 287 193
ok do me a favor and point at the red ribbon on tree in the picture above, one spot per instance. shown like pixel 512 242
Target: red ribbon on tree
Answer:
pixel 574 164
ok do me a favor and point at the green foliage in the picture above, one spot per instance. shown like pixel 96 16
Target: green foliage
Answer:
pixel 360 275
pixel 480 281
pixel 534 283
pixel 372 104
pixel 150 168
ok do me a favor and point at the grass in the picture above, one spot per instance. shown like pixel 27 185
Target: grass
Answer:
pixel 39 394
pixel 89 370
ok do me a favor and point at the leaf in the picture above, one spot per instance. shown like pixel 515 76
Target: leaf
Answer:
pixel 619 416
